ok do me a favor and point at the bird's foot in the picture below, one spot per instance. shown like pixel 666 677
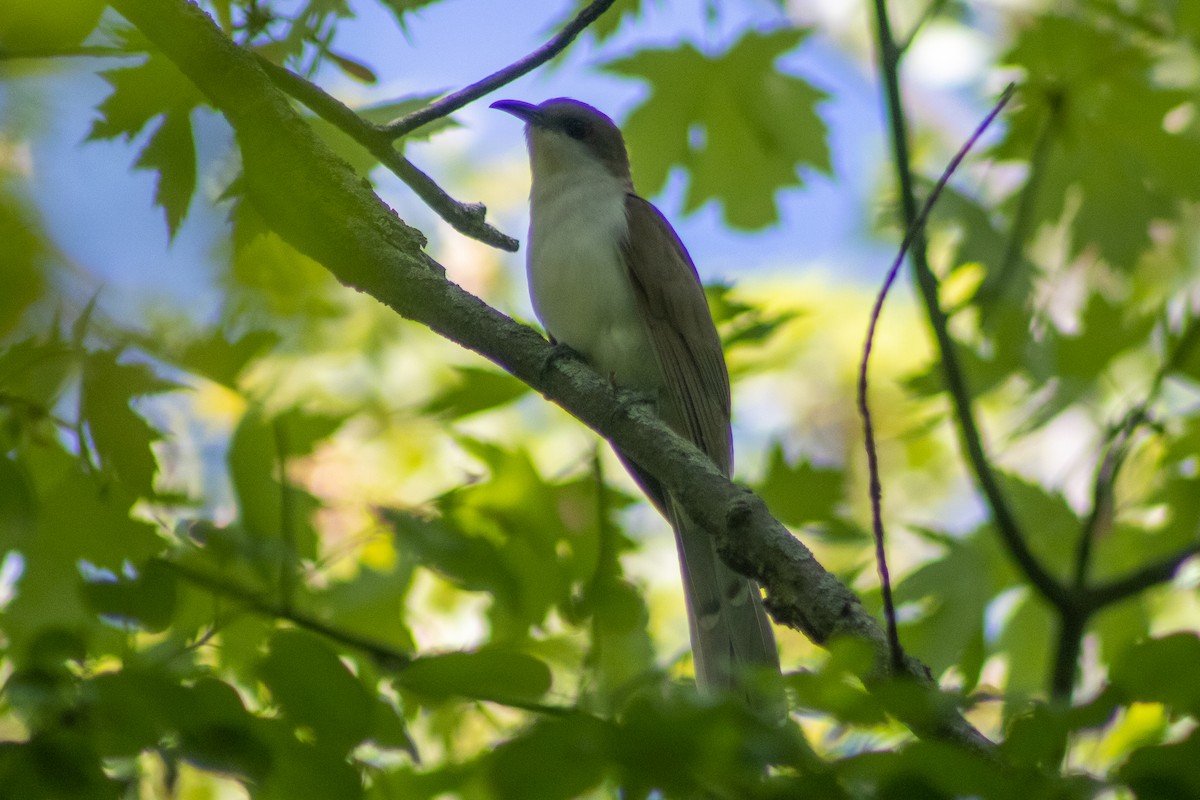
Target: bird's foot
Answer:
pixel 558 352
pixel 628 399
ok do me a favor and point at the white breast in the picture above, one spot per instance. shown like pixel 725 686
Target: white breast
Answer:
pixel 577 280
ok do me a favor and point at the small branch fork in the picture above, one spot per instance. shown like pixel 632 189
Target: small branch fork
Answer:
pixel 914 230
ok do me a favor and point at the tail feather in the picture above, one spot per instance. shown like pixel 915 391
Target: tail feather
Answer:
pixel 729 628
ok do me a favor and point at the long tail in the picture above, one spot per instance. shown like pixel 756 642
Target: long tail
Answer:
pixel 731 635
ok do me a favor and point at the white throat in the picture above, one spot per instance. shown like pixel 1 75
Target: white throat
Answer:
pixel 577 276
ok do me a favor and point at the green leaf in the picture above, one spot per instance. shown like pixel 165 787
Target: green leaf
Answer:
pixel 739 126
pixel 1050 525
pixel 140 94
pixel 316 690
pixel 1162 671
pixel 1165 772
pixel 122 437
pixel 25 252
pixel 474 391
pixel 218 734
pixel 254 467
pixel 18 507
pixel 801 493
pixel 31 26
pixel 558 758
pixel 172 153
pixel 1100 96
pixel 485 674
pixel 55 764
pixel 147 600
pixel 221 360
pixel 609 22
pixel 953 592
pixel 35 372
pixel 469 562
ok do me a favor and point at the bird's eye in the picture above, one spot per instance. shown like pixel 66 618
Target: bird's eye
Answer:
pixel 575 128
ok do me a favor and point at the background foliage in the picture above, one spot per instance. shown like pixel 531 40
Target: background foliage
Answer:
pixel 305 549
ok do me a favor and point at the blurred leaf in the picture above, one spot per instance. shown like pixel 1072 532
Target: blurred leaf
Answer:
pixel 172 153
pixel 217 358
pixel 372 604
pixel 35 371
pixel 952 592
pixel 270 279
pixel 1050 525
pixel 742 323
pixel 55 764
pixel 30 26
pixel 400 8
pixel 142 93
pixel 1099 94
pixel 218 734
pixel 557 758
pixel 122 436
pixel 352 67
pixel 739 126
pixel 610 21
pixel 315 689
pixel 471 563
pixel 1162 670
pixel 1166 772
pixel 18 507
pixel 1026 638
pixel 800 493
pixel 475 390
pixel 147 599
pixel 255 469
pixel 485 674
pixel 25 251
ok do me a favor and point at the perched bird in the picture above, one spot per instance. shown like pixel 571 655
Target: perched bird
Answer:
pixel 610 279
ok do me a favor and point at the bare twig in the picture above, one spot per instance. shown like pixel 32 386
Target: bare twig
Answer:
pixel 387 657
pixel 466 218
pixel 452 102
pixel 864 407
pixel 1003 516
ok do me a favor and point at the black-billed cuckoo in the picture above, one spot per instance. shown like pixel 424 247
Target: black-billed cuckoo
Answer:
pixel 610 279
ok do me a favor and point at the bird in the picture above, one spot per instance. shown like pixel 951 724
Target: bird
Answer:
pixel 610 279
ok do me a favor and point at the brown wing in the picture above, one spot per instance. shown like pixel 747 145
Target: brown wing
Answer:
pixel 729 629
pixel 695 399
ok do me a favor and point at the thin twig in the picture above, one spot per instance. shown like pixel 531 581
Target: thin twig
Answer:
pixel 1003 516
pixel 864 407
pixel 452 102
pixel 387 657
pixel 466 218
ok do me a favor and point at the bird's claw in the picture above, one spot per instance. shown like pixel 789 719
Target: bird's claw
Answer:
pixel 558 352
